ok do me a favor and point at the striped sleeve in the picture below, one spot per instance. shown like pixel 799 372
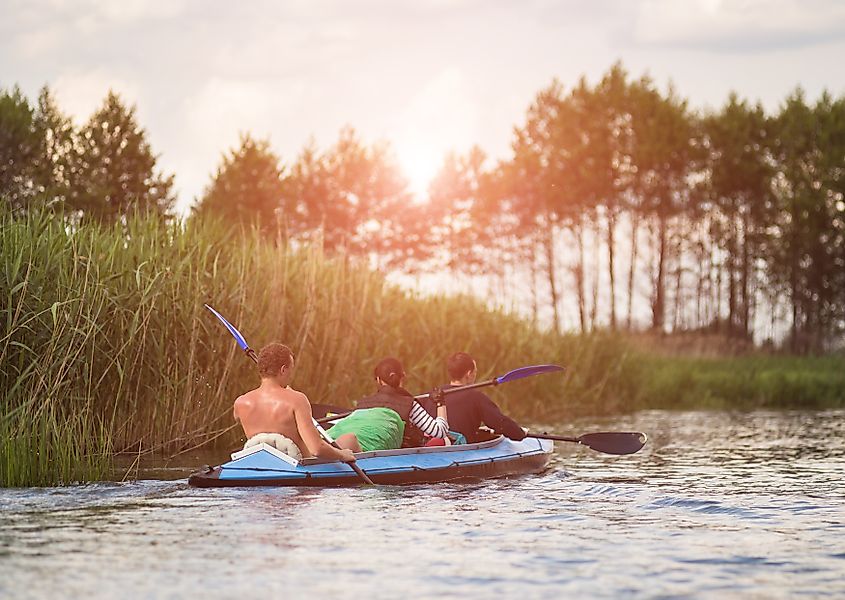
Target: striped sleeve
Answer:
pixel 431 427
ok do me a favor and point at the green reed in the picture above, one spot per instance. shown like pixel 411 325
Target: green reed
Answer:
pixel 106 347
pixel 743 383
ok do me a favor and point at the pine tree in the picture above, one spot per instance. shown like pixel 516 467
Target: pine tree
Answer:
pixel 248 188
pixel 115 167
pixel 21 146
pixel 56 168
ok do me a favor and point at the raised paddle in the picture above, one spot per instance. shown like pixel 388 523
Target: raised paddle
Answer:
pixel 519 373
pixel 251 354
pixel 609 442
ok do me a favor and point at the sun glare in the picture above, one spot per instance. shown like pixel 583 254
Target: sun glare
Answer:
pixel 419 163
pixel 439 118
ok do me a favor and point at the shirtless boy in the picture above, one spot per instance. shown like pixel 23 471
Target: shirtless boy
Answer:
pixel 274 407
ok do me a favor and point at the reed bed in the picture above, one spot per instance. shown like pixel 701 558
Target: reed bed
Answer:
pixel 744 383
pixel 106 347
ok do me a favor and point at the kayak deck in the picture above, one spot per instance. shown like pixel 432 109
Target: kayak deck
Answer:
pixel 499 457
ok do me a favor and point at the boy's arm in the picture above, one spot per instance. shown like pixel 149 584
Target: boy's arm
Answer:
pixel 493 418
pixel 309 434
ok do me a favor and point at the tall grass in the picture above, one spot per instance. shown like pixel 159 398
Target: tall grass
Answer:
pixel 743 382
pixel 106 347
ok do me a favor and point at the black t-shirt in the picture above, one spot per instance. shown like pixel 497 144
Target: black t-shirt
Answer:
pixel 468 410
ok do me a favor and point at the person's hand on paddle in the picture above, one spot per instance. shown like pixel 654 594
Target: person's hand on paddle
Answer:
pixel 347 455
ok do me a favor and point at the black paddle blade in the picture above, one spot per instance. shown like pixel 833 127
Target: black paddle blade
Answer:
pixel 614 442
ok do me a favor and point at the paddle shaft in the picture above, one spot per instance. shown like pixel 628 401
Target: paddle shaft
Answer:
pixel 556 438
pixel 331 418
pixel 358 470
pixel 609 442
pixel 520 373
pixel 460 388
pixel 334 417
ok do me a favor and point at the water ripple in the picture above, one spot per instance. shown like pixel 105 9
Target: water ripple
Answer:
pixel 717 505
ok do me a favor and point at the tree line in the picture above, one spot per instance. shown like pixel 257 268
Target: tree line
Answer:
pixel 616 195
pixel 102 170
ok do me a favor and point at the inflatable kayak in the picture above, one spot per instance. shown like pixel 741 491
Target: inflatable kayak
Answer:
pixel 263 465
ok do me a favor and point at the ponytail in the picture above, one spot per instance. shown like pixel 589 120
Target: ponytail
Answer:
pixel 390 371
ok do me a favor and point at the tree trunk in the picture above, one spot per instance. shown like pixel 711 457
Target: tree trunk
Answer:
pixel 594 307
pixel 732 243
pixel 699 290
pixel 707 290
pixel 752 306
pixel 658 306
pixel 744 279
pixel 579 276
pixel 793 287
pixel 550 270
pixel 611 242
pixel 701 255
pixel 535 300
pixel 679 274
pixel 717 317
pixel 635 231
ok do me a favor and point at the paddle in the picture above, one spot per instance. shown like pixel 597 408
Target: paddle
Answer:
pixel 610 442
pixel 251 354
pixel 519 373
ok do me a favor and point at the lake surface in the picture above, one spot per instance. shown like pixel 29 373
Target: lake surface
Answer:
pixel 716 505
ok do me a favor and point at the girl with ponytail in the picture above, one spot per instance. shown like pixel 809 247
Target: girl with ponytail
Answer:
pixel 391 418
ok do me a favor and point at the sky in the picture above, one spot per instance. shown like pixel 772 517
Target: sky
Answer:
pixel 428 76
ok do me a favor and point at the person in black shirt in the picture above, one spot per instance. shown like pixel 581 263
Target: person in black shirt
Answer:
pixel 470 409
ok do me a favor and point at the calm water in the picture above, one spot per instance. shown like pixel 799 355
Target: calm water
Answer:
pixel 716 505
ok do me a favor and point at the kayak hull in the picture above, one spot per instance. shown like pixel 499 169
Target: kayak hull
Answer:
pixel 499 457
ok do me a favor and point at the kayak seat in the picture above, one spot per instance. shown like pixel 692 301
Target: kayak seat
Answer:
pixel 278 441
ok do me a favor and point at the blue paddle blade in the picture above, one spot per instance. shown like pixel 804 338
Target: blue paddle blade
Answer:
pixel 235 333
pixel 527 372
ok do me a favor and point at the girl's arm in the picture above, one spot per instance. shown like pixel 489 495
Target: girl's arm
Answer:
pixel 431 427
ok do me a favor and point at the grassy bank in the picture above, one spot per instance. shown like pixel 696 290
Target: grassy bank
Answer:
pixel 743 383
pixel 106 347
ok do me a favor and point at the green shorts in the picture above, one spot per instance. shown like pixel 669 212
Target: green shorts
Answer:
pixel 375 428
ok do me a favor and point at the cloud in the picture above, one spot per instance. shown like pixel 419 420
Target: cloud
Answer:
pixel 137 10
pixel 443 105
pixel 739 24
pixel 39 42
pixel 80 93
pixel 427 76
pixel 212 119
pixel 42 28
pixel 223 107
pixel 104 11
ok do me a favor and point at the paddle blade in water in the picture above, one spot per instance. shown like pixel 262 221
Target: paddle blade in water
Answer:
pixel 235 333
pixel 523 372
pixel 614 442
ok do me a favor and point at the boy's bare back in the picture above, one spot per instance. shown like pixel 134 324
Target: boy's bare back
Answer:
pixel 272 410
